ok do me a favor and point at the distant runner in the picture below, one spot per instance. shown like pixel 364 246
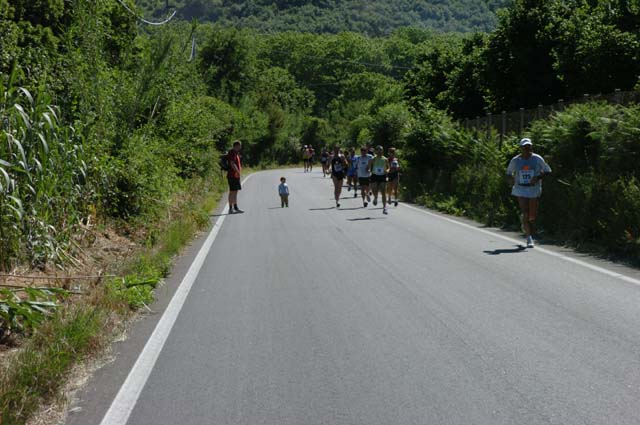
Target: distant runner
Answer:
pixel 526 172
pixel 364 175
pixel 379 167
pixel 338 168
pixel 324 160
pixel 312 157
pixel 306 157
pixel 352 173
pixel 393 177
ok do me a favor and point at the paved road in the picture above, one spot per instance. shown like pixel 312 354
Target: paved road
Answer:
pixel 312 315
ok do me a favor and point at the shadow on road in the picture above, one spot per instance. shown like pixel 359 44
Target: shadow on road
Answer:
pixel 517 249
pixel 322 209
pixel 350 209
pixel 366 218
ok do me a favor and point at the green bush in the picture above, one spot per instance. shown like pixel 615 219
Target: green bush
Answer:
pixel 592 199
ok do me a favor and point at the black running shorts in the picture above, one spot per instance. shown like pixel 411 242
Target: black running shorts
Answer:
pixel 364 181
pixel 234 183
pixel 378 179
pixel 338 175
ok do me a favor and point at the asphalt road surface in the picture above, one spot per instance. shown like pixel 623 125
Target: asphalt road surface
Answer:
pixel 313 315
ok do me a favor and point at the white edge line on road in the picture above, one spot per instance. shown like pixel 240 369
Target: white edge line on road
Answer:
pixel 595 268
pixel 127 397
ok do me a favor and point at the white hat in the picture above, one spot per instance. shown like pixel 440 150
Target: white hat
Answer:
pixel 525 142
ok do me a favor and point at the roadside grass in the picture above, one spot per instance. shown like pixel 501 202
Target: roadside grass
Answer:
pixel 36 373
pixel 84 326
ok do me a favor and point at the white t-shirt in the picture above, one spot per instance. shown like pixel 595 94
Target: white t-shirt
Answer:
pixel 283 189
pixel 524 170
pixel 362 164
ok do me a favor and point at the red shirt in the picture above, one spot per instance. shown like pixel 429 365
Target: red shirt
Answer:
pixel 234 158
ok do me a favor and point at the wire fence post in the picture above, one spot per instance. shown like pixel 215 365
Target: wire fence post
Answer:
pixel 617 98
pixel 489 124
pixel 476 129
pixel 504 128
pixel 521 126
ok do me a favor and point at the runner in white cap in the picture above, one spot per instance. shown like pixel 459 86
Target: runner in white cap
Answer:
pixel 364 175
pixel 526 172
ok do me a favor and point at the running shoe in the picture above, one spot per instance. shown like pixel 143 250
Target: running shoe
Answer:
pixel 337 205
pixel 349 189
pixel 355 195
pixel 384 211
pixel 395 204
pixel 375 201
pixel 530 243
pixel 366 204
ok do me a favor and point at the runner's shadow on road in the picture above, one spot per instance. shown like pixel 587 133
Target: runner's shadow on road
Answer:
pixel 517 249
pixel 275 208
pixel 350 209
pixel 322 209
pixel 366 218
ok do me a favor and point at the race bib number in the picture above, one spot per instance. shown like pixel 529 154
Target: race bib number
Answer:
pixel 379 171
pixel 337 167
pixel 525 176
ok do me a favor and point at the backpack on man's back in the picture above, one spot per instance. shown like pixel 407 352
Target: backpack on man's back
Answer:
pixel 224 162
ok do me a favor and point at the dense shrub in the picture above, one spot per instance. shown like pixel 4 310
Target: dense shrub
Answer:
pixel 592 198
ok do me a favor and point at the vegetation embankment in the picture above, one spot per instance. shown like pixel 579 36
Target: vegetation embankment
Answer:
pixel 590 201
pixel 111 126
pixel 79 326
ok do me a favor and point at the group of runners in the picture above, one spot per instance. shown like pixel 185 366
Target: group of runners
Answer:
pixel 374 174
pixel 370 171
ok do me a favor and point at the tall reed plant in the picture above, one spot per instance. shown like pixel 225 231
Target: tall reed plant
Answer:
pixel 43 173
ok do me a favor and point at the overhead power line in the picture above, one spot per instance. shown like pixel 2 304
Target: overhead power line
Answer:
pixel 141 19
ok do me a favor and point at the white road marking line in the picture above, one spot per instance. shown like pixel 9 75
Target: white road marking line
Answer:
pixel 127 397
pixel 537 248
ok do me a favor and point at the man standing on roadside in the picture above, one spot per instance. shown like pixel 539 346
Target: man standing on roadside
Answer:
pixel 233 177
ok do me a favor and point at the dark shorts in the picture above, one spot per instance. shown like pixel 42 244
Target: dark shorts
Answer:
pixel 352 173
pixel 378 179
pixel 393 176
pixel 364 181
pixel 338 175
pixel 234 183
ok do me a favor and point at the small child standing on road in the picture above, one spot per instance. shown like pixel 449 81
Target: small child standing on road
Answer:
pixel 283 190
